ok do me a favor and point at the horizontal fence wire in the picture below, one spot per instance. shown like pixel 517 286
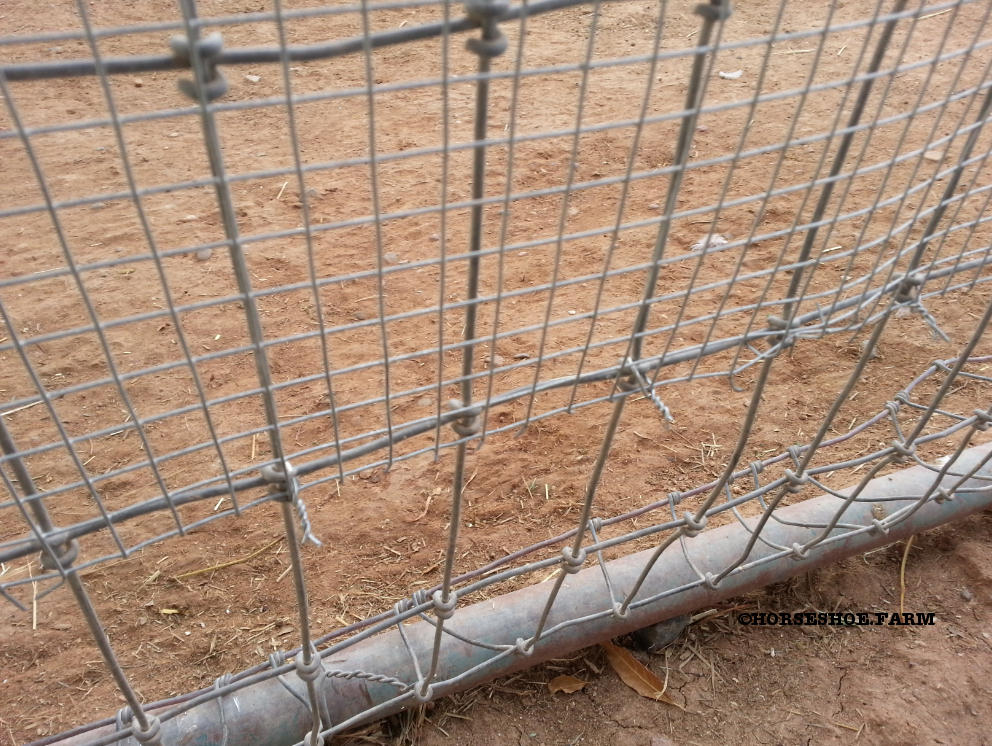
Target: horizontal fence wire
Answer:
pixel 248 266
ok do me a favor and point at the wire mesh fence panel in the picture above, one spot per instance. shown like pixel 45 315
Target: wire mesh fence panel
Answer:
pixel 324 325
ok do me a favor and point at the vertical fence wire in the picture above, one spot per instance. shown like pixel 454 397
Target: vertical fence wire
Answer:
pixel 563 212
pixel 442 285
pixel 308 229
pixel 490 44
pixel 574 556
pixel 901 263
pixel 938 213
pixel 888 174
pixel 789 139
pixel 148 725
pixel 504 223
pixel 840 156
pixel 283 475
pixel 373 163
pixel 632 152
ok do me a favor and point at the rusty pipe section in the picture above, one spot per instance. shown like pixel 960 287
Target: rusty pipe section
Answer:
pixel 274 711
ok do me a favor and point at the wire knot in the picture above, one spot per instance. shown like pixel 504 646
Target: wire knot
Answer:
pixel 572 563
pixel 423 692
pixel 628 382
pixel 149 735
pixel 309 671
pixel 523 647
pixel 64 555
pixel 892 407
pixel 468 424
pixel 692 526
pixel 904 452
pixel 444 609
pixel 796 481
pixel 787 338
pixel 908 290
pixel 982 419
pixel 209 49
pixel 487 14
pixel 756 468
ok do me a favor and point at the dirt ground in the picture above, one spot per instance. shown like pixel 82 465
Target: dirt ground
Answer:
pixel 177 625
pixel 773 685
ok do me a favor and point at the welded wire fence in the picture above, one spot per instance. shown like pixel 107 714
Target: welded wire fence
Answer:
pixel 358 235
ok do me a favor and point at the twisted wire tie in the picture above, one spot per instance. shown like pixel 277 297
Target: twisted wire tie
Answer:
pixel 634 380
pixel 290 485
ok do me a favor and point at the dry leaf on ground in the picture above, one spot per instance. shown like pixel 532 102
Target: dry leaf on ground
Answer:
pixel 636 675
pixel 566 683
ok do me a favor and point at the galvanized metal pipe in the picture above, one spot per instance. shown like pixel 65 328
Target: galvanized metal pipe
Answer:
pixel 270 713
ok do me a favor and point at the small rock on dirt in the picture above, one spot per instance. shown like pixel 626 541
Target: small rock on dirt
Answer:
pixel 657 740
pixel 658 636
pixel 708 242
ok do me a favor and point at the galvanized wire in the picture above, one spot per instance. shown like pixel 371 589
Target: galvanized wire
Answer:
pixel 629 347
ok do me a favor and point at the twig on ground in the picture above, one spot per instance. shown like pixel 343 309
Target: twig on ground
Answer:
pixel 222 565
